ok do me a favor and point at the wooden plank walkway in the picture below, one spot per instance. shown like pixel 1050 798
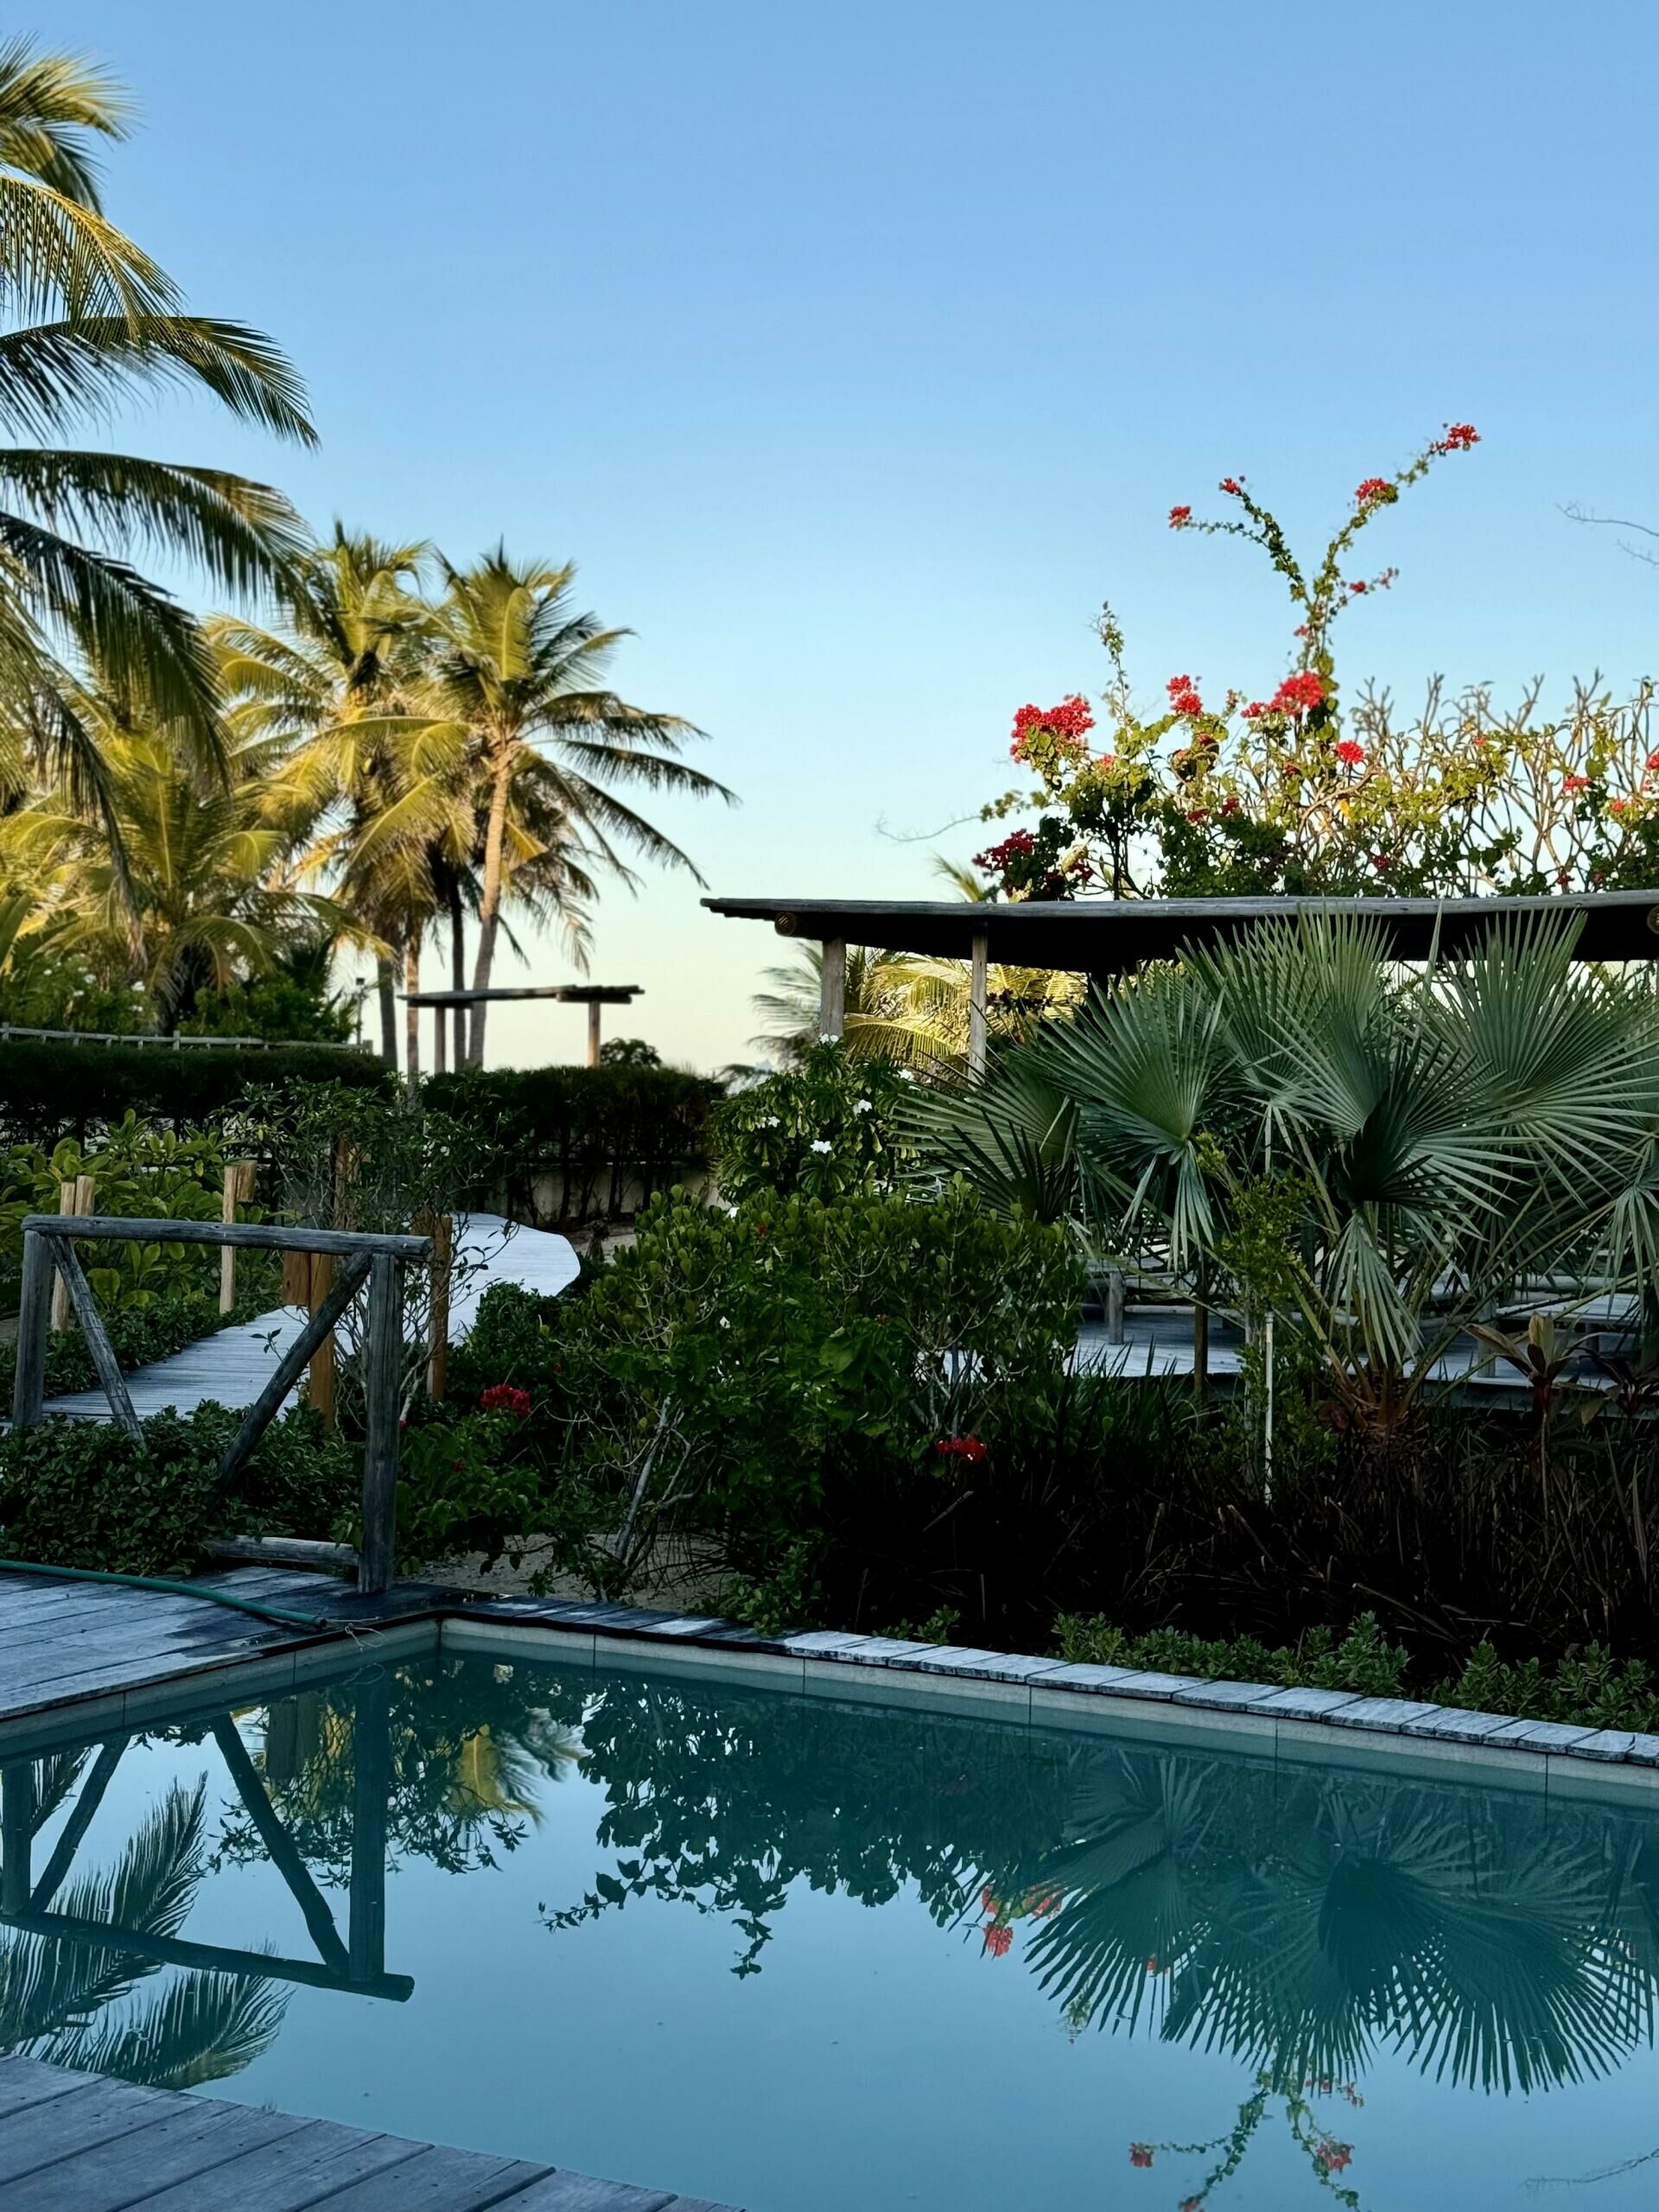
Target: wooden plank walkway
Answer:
pixel 76 2143
pixel 232 1365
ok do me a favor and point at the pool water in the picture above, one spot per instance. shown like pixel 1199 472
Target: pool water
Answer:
pixel 802 1956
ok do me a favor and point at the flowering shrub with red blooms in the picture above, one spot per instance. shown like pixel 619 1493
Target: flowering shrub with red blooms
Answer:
pixel 505 1398
pixel 1140 2154
pixel 1257 794
pixel 999 1941
pixel 961 1447
pixel 1334 2156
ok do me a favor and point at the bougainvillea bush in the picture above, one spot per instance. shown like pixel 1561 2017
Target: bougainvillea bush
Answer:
pixel 1298 789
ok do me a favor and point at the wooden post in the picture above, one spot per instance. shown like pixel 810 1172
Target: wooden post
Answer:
pixel 832 988
pixel 440 1040
pixel 437 1327
pixel 366 1927
pixel 593 1033
pixel 382 1358
pixel 978 974
pixel 17 1810
pixel 1200 1347
pixel 321 1380
pixel 33 1309
pixel 79 1198
pixel 238 1189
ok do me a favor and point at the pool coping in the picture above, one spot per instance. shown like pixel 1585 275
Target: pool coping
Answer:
pixel 1339 1724
pixel 1042 1690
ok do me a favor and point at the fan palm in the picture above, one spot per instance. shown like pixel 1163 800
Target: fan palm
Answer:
pixel 1431 1143
pixel 94 320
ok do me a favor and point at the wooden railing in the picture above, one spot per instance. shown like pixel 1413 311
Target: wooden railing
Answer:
pixel 49 1240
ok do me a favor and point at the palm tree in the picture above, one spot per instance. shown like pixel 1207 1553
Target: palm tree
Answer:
pixel 94 321
pixel 345 657
pixel 209 896
pixel 520 672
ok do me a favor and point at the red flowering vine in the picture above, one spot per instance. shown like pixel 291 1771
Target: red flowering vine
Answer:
pixel 1179 518
pixel 961 1447
pixel 1373 489
pixel 1183 696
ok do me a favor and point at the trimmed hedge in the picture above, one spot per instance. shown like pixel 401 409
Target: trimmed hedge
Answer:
pixel 612 1135
pixel 49 1089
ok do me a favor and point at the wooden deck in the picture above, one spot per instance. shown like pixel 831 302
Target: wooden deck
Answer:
pixel 78 2143
pixel 230 1367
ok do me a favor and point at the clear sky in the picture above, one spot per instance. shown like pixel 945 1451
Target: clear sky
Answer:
pixel 857 352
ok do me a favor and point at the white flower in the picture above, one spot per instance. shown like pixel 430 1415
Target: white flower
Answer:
pixel 770 1122
pixel 724 1323
pixel 822 1144
pixel 904 1075
pixel 860 1105
pixel 825 1038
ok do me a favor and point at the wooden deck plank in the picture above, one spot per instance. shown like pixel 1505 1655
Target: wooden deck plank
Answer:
pixel 303 2169
pixel 436 2180
pixel 176 2146
pixel 93 2112
pixel 566 2192
pixel 26 2081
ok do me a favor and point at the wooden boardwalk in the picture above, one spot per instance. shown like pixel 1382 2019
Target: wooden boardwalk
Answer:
pixel 78 2143
pixel 231 1366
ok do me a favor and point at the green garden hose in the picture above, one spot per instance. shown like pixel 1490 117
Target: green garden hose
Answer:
pixel 277 1613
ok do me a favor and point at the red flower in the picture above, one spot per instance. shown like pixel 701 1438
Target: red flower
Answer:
pixel 505 1398
pixel 1350 754
pixel 1140 2154
pixel 1358 587
pixel 1458 437
pixel 1257 707
pixel 1382 863
pixel 1333 2157
pixel 988 1900
pixel 1179 518
pixel 1230 804
pixel 1191 2204
pixel 999 1941
pixel 961 1447
pixel 1231 485
pixel 1183 695
pixel 1653 759
pixel 1066 724
pixel 1108 760
pixel 1575 782
pixel 1050 1901
pixel 1299 695
pixel 1373 489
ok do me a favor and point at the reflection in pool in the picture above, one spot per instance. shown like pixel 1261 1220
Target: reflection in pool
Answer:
pixel 801 1956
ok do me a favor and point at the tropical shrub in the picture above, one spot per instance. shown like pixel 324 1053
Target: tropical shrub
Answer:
pixel 827 1128
pixel 83 1494
pixel 49 1089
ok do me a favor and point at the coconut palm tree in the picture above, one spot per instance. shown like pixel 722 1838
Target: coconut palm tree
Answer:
pixel 346 656
pixel 211 895
pixel 91 320
pixel 520 671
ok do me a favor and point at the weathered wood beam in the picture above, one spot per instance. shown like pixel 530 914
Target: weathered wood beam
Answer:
pixel 832 988
pixel 66 1261
pixel 252 1236
pixel 978 979
pixel 280 1844
pixel 264 1407
pixel 34 1305
pixel 209 1958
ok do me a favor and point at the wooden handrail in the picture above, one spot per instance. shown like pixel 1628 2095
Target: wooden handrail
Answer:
pixel 253 1236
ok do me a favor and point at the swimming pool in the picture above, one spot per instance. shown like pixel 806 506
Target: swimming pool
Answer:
pixel 801 1954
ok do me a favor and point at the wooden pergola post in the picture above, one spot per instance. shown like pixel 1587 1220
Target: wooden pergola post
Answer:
pixel 977 978
pixel 832 988
pixel 439 1058
pixel 238 1189
pixel 593 1033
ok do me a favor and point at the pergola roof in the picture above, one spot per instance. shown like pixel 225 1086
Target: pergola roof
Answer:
pixel 572 995
pixel 1105 936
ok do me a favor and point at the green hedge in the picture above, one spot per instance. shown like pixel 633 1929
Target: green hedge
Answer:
pixel 49 1089
pixel 613 1134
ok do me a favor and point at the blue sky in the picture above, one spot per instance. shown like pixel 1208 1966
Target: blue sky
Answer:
pixel 856 353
